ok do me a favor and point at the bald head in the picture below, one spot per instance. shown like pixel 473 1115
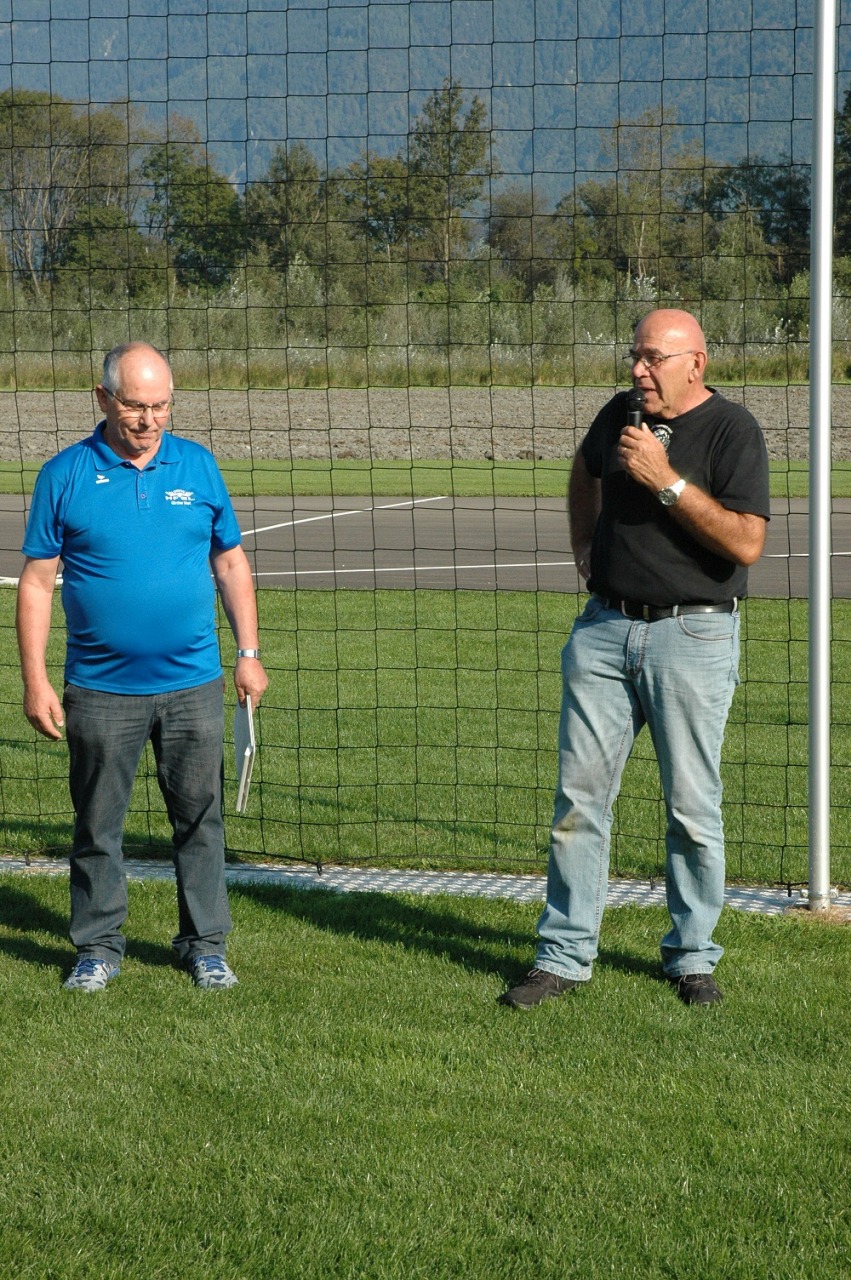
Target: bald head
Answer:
pixel 677 329
pixel 673 343
pixel 136 355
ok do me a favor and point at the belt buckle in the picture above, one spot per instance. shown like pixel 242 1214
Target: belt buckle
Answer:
pixel 640 612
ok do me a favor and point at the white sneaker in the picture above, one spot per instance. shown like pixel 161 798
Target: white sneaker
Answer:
pixel 211 973
pixel 90 973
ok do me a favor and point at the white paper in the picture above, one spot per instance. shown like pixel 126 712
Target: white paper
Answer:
pixel 246 749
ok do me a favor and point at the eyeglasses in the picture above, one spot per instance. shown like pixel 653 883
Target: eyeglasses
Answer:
pixel 654 360
pixel 134 409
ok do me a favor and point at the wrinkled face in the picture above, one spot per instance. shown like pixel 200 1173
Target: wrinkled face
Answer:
pixel 675 384
pixel 137 413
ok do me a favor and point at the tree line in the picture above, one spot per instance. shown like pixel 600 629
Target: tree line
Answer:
pixel 97 209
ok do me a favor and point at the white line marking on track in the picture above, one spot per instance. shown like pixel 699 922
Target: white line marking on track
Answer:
pixel 424 568
pixel 335 515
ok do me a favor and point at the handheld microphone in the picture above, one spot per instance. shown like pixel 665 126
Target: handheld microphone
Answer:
pixel 661 430
pixel 635 402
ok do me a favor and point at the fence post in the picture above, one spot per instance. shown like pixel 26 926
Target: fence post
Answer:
pixel 820 498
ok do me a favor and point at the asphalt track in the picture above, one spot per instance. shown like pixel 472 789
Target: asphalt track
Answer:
pixel 483 544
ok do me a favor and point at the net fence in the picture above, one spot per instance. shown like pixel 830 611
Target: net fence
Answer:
pixel 395 253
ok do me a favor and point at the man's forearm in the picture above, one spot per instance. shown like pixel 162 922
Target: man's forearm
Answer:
pixel 734 535
pixel 42 706
pixel 32 625
pixel 236 588
pixel 583 510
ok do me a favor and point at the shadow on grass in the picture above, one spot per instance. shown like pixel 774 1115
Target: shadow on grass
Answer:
pixel 426 926
pixel 626 962
pixel 24 914
pixel 618 961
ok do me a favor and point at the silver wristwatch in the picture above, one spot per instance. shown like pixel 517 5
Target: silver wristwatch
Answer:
pixel 669 496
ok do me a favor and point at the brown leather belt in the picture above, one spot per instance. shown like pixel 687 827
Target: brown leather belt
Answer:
pixel 639 612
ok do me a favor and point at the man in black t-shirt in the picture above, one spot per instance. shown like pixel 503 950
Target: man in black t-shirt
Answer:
pixel 665 518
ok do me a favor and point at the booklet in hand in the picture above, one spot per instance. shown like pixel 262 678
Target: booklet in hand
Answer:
pixel 246 749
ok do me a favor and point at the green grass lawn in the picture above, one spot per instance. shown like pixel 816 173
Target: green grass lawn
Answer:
pixel 360 1106
pixel 426 478
pixel 418 729
pixel 545 478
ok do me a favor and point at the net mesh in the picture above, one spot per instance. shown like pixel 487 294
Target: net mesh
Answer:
pixel 395 253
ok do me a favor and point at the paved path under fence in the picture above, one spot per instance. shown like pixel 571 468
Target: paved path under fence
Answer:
pixel 518 888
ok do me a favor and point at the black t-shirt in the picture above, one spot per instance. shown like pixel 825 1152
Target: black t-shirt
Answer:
pixel 640 552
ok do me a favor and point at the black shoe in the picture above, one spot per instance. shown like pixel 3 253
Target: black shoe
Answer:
pixel 538 985
pixel 697 988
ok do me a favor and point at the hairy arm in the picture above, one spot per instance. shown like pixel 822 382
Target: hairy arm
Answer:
pixel 232 573
pixel 583 510
pixel 736 535
pixel 42 706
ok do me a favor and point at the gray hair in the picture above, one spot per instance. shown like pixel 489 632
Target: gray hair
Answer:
pixel 113 358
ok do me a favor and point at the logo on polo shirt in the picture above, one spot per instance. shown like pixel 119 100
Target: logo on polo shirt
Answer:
pixel 101 479
pixel 180 497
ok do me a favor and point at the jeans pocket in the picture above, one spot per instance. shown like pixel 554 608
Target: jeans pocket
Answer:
pixel 593 608
pixel 709 627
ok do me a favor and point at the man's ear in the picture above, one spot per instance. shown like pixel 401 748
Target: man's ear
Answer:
pixel 700 359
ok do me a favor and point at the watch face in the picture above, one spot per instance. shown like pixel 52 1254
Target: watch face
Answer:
pixel 670 495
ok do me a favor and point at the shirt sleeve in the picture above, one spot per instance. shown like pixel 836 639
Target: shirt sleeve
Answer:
pixel 226 533
pixel 596 442
pixel 44 536
pixel 740 470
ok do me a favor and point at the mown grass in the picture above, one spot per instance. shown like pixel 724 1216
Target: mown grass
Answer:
pixel 423 478
pixel 360 1106
pixel 418 729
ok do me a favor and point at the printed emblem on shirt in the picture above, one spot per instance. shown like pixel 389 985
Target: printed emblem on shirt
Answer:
pixel 99 479
pixel 180 497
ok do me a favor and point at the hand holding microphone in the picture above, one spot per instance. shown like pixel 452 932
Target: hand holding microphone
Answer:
pixel 635 402
pixel 639 450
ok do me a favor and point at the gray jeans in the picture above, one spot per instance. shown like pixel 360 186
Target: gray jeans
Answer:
pixel 106 735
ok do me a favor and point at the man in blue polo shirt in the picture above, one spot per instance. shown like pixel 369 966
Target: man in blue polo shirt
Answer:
pixel 145 531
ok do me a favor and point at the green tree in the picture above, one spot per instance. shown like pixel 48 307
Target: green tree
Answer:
pixel 643 218
pixel 522 237
pixel 55 159
pixel 777 196
pixel 842 178
pixel 195 212
pixel 286 211
pixel 101 254
pixel 376 191
pixel 449 161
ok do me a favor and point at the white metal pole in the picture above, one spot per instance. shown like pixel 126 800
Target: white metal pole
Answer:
pixel 821 378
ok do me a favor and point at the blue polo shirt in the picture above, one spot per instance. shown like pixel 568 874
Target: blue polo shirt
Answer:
pixel 139 598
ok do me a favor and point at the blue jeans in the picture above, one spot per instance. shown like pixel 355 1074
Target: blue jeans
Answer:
pixel 678 676
pixel 106 735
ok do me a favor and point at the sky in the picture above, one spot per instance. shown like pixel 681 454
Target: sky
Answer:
pixel 347 78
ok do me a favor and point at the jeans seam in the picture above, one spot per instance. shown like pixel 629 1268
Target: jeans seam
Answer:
pixel 605 835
